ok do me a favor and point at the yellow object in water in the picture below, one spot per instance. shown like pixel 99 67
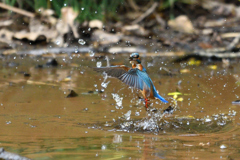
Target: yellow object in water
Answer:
pixel 180 99
pixel 213 67
pixel 184 70
pixel 193 62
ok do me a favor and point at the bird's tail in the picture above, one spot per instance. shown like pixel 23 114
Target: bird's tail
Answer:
pixel 161 98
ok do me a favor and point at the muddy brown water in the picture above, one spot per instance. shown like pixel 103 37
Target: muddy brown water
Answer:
pixel 38 122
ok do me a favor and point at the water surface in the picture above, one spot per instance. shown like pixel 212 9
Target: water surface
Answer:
pixel 38 122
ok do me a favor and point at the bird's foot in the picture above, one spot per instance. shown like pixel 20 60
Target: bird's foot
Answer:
pixel 146 102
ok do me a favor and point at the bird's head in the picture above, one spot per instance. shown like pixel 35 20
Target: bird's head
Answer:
pixel 134 57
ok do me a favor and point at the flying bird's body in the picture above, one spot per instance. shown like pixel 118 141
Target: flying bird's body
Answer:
pixel 135 77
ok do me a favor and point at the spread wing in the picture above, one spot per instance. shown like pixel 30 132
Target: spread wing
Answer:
pixel 125 74
pixel 113 71
pixel 132 79
pixel 145 78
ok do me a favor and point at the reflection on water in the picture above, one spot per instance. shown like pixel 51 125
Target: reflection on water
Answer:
pixel 108 120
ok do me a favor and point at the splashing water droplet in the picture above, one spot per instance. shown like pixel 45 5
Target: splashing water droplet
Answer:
pixel 76 50
pixel 8 122
pixel 137 114
pixel 99 64
pixel 127 115
pixel 81 41
pixel 91 53
pixel 223 146
pixel 57 43
pixel 118 100
pixel 104 147
pixel 104 85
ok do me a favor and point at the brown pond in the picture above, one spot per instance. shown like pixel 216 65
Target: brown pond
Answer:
pixel 38 122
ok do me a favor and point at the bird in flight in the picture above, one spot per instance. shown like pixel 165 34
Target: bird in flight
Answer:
pixel 135 77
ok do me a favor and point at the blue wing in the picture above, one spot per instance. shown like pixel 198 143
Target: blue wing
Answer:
pixel 145 78
pixel 113 71
pixel 132 79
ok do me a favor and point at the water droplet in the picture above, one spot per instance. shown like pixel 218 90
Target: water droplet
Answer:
pixel 99 64
pixel 149 64
pixel 76 50
pixel 82 9
pixel 8 122
pixel 103 147
pixel 127 115
pixel 104 85
pixel 118 100
pixel 208 119
pixel 223 146
pixel 81 41
pixel 137 114
pixel 57 43
pixel 65 4
pixel 91 53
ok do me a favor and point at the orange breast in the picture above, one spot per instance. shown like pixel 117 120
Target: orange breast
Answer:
pixel 133 65
pixel 140 67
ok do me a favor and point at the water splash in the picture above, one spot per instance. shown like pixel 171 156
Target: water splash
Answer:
pixel 117 138
pixel 127 116
pixel 104 147
pixel 137 114
pixel 118 100
pixel 57 42
pixel 91 53
pixel 8 122
pixel 81 41
pixel 104 85
pixel 99 64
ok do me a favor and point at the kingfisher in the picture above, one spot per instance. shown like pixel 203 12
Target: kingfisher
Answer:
pixel 135 77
